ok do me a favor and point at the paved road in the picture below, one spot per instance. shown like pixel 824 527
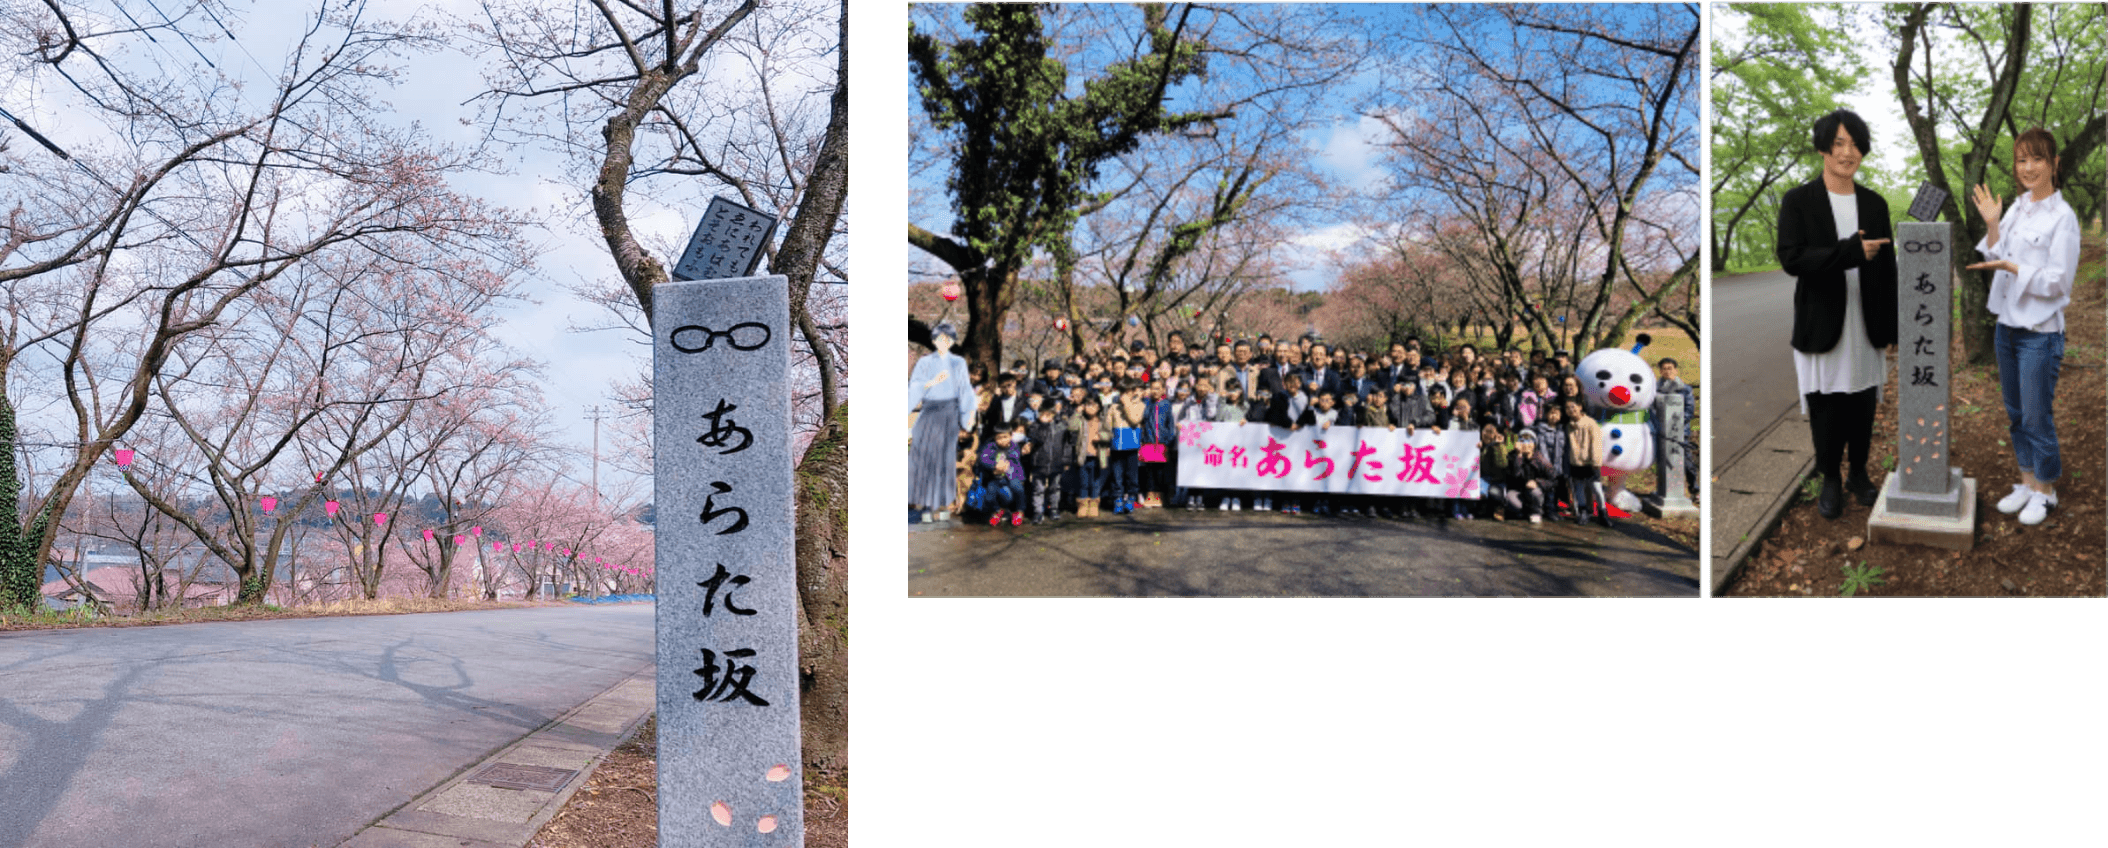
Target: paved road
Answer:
pixel 1160 553
pixel 1750 383
pixel 293 732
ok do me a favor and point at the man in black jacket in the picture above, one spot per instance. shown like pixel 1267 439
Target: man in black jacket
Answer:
pixel 1833 237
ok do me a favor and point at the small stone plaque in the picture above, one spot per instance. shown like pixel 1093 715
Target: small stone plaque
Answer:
pixel 1926 205
pixel 729 770
pixel 517 776
pixel 728 242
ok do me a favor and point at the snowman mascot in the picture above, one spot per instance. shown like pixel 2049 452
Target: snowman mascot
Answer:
pixel 1620 388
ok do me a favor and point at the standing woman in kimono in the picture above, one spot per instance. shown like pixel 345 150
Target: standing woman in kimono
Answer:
pixel 940 386
pixel 2034 247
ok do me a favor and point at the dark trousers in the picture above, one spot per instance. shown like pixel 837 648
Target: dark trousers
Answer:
pixel 1842 426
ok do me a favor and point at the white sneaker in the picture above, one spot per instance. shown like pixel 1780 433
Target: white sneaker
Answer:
pixel 2019 498
pixel 1236 506
pixel 1536 519
pixel 2037 508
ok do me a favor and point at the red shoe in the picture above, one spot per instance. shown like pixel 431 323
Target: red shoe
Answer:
pixel 996 519
pixel 1017 519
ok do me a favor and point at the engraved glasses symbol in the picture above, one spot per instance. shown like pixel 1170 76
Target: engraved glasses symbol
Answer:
pixel 751 335
pixel 1923 246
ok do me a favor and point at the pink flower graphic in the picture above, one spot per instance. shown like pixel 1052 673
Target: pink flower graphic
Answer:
pixel 1461 483
pixel 1190 432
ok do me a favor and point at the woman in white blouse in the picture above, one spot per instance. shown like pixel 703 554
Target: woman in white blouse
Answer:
pixel 2034 247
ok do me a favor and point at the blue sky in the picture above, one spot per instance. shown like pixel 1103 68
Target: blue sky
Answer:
pixel 1344 145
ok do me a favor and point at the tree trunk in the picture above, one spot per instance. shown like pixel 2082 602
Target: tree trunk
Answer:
pixel 823 597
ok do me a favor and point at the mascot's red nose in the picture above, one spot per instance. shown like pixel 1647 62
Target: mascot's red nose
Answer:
pixel 1620 395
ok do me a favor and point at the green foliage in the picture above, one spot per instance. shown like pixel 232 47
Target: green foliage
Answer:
pixel 1860 578
pixel 1029 151
pixel 18 616
pixel 20 579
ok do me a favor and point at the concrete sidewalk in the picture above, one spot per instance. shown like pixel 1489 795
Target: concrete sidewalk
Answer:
pixel 1753 488
pixel 543 769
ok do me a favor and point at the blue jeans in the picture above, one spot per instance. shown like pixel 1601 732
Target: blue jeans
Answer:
pixel 1003 492
pixel 1088 479
pixel 1126 465
pixel 2028 363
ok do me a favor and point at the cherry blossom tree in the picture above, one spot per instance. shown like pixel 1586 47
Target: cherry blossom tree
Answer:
pixel 183 203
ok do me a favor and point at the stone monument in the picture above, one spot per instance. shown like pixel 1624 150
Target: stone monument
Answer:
pixel 1926 500
pixel 1672 498
pixel 728 759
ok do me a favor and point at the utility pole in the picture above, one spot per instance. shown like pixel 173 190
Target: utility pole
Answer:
pixel 595 414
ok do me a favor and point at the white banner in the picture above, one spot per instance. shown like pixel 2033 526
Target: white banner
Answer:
pixel 1343 460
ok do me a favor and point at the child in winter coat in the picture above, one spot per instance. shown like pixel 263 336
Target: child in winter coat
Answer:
pixel 1529 479
pixel 1232 411
pixel 1493 472
pixel 1551 447
pixel 1586 452
pixel 1048 453
pixel 1087 437
pixel 1003 472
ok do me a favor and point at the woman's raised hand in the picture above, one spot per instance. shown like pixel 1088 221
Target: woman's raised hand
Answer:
pixel 1987 207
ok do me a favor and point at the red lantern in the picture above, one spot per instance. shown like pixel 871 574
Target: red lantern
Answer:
pixel 269 503
pixel 950 292
pixel 124 457
pixel 331 508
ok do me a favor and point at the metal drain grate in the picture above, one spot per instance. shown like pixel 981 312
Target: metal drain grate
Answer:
pixel 516 776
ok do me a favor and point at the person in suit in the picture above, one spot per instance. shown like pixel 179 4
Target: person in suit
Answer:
pixel 1271 378
pixel 1834 239
pixel 2033 246
pixel 1320 377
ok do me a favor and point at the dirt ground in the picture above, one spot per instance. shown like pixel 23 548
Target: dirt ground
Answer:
pixel 2066 555
pixel 619 805
pixel 48 620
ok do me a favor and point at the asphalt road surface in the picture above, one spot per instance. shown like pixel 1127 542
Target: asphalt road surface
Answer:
pixel 293 732
pixel 1174 553
pixel 1750 383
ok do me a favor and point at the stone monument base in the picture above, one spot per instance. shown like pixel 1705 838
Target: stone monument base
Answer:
pixel 1956 532
pixel 1660 507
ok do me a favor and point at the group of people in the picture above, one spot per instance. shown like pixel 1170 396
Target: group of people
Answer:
pixel 1100 432
pixel 1834 237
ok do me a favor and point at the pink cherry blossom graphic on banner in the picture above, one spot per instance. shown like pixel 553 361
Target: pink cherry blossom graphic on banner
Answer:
pixel 1191 433
pixel 1459 480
